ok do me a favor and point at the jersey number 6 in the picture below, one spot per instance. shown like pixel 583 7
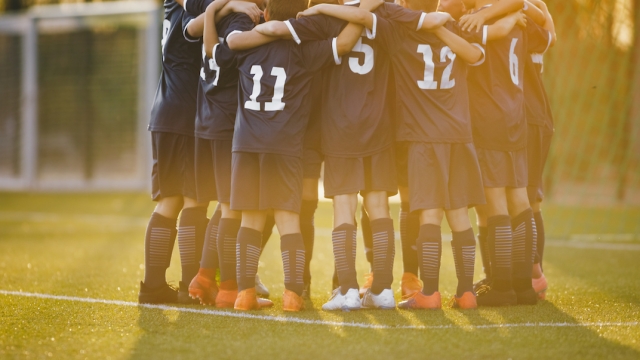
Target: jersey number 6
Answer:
pixel 276 103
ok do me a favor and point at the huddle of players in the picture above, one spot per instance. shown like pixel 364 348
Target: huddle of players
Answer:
pixel 271 110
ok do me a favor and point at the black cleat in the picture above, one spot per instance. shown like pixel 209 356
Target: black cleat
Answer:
pixel 163 294
pixel 480 284
pixel 527 297
pixel 184 297
pixel 492 297
pixel 306 293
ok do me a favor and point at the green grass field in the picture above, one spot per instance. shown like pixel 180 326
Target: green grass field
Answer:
pixel 91 246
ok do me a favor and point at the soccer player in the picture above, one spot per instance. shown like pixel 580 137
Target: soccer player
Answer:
pixel 539 133
pixel 434 122
pixel 173 175
pixel 267 147
pixel 499 129
pixel 357 140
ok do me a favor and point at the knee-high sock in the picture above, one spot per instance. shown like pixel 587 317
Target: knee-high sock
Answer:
pixel 307 228
pixel 367 236
pixel 268 230
pixel 344 252
pixel 524 244
pixel 158 246
pixel 500 242
pixel 463 246
pixel 537 216
pixel 429 245
pixel 227 238
pixel 247 257
pixel 483 244
pixel 293 261
pixel 191 232
pixel 209 259
pixel 409 228
pixel 384 252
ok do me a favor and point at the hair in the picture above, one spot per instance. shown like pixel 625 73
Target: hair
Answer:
pixel 425 5
pixel 285 9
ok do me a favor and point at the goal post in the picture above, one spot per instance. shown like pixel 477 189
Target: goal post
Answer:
pixel 68 128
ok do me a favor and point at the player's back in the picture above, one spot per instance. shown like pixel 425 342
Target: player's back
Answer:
pixel 175 103
pixel 432 93
pixel 496 94
pixel 274 80
pixel 218 90
pixel 538 109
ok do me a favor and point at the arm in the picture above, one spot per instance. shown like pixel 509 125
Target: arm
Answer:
pixel 434 20
pixel 549 24
pixel 503 27
pixel 210 35
pixel 277 29
pixel 195 28
pixel 534 13
pixel 470 53
pixel 473 22
pixel 351 14
pixel 251 9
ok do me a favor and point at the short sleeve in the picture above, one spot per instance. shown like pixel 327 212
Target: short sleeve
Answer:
pixel 538 38
pixel 317 54
pixel 239 23
pixel 224 57
pixel 196 7
pixel 475 38
pixel 186 19
pixel 316 27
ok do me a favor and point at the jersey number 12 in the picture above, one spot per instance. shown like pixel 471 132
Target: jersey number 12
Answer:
pixel 276 103
pixel 429 68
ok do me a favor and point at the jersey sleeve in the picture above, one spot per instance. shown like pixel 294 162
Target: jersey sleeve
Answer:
pixel 538 38
pixel 475 38
pixel 240 23
pixel 196 7
pixel 223 57
pixel 317 54
pixel 316 27
pixel 186 19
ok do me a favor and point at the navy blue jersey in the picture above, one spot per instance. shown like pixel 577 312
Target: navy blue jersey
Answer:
pixel 218 89
pixel 273 107
pixel 431 86
pixel 313 134
pixel 196 7
pixel 174 107
pixel 356 119
pixel 497 95
pixel 538 110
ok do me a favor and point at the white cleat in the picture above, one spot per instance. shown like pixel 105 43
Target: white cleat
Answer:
pixel 347 302
pixel 261 290
pixel 383 301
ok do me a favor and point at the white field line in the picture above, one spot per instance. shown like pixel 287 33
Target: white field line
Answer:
pixel 313 322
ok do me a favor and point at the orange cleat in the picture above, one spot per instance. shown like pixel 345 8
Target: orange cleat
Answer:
pixel 248 300
pixel 540 287
pixel 368 281
pixel 227 295
pixel 410 285
pixel 421 301
pixel 204 287
pixel 466 301
pixel 292 302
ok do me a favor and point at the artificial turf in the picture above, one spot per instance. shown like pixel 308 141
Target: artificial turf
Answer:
pixel 91 246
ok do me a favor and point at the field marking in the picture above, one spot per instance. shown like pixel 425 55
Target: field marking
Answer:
pixel 308 321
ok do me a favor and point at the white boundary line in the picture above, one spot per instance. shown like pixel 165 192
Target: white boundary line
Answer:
pixel 307 321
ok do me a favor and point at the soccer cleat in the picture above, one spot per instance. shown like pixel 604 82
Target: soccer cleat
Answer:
pixel 204 287
pixel 480 284
pixel 368 281
pixel 184 297
pixel 347 302
pixel 383 301
pixel 291 301
pixel 421 301
pixel 540 287
pixel 306 293
pixel 227 294
pixel 248 300
pixel 527 297
pixel 488 296
pixel 163 294
pixel 466 301
pixel 261 290
pixel 410 285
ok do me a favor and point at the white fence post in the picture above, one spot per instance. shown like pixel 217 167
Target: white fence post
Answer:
pixel 29 106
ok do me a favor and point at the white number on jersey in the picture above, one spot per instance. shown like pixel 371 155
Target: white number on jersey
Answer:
pixel 513 62
pixel 429 68
pixel 212 66
pixel 276 103
pixel 166 25
pixel 367 51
